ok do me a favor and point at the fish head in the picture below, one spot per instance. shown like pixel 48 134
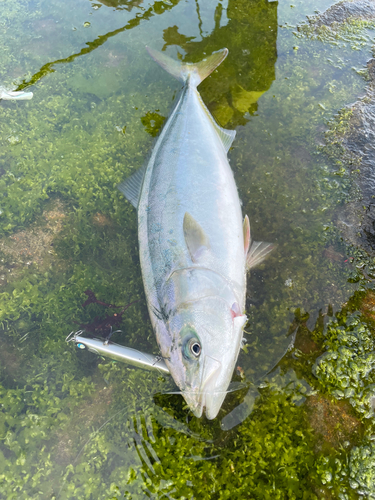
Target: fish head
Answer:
pixel 206 337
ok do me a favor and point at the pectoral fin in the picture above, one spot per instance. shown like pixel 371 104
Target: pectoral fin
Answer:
pixel 255 251
pixel 195 238
pixel 259 250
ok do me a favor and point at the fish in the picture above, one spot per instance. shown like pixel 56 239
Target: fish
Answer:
pixel 14 95
pixel 195 247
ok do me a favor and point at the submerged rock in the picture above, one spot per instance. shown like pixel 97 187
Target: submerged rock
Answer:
pixel 357 220
pixel 350 142
pixel 333 423
pixel 330 24
pixel 344 11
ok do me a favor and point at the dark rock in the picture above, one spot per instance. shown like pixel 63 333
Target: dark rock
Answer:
pixel 343 11
pixel 328 24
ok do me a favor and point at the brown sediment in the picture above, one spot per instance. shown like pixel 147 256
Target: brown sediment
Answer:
pixel 333 423
pixel 368 305
pixel 10 359
pixel 33 245
pixel 305 344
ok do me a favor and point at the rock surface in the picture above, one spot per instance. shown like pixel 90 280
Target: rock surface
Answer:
pixel 358 218
pixel 356 151
pixel 343 11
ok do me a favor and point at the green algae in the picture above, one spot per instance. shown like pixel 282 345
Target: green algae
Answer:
pixel 345 161
pixel 362 470
pixel 351 32
pixel 351 476
pixel 256 461
pixel 153 122
pixel 33 412
pixel 345 369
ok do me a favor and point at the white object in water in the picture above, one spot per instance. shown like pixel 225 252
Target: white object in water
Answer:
pixel 13 95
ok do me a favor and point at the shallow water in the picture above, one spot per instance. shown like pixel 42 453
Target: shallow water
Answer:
pixel 76 426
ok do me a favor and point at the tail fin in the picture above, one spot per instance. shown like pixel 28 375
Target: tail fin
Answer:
pixel 195 73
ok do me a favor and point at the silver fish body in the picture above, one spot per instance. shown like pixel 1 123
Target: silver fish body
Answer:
pixel 193 244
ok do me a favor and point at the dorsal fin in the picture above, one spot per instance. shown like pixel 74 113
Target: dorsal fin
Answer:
pixel 195 238
pixel 132 186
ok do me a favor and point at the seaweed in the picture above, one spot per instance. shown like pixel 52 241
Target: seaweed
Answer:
pixel 103 326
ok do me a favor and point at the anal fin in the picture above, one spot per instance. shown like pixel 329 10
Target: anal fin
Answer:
pixel 132 186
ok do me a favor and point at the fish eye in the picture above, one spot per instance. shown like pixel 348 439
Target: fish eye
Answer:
pixel 192 346
pixel 195 348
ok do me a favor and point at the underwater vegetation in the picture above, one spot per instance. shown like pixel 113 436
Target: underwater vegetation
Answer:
pixel 362 470
pixel 76 426
pixel 346 367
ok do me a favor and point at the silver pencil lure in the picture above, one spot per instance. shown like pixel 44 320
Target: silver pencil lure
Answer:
pixel 118 352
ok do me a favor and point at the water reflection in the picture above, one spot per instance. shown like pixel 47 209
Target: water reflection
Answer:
pixel 156 8
pixel 121 4
pixel 249 31
pixel 245 76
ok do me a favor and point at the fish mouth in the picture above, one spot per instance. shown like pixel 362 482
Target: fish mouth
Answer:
pixel 207 398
